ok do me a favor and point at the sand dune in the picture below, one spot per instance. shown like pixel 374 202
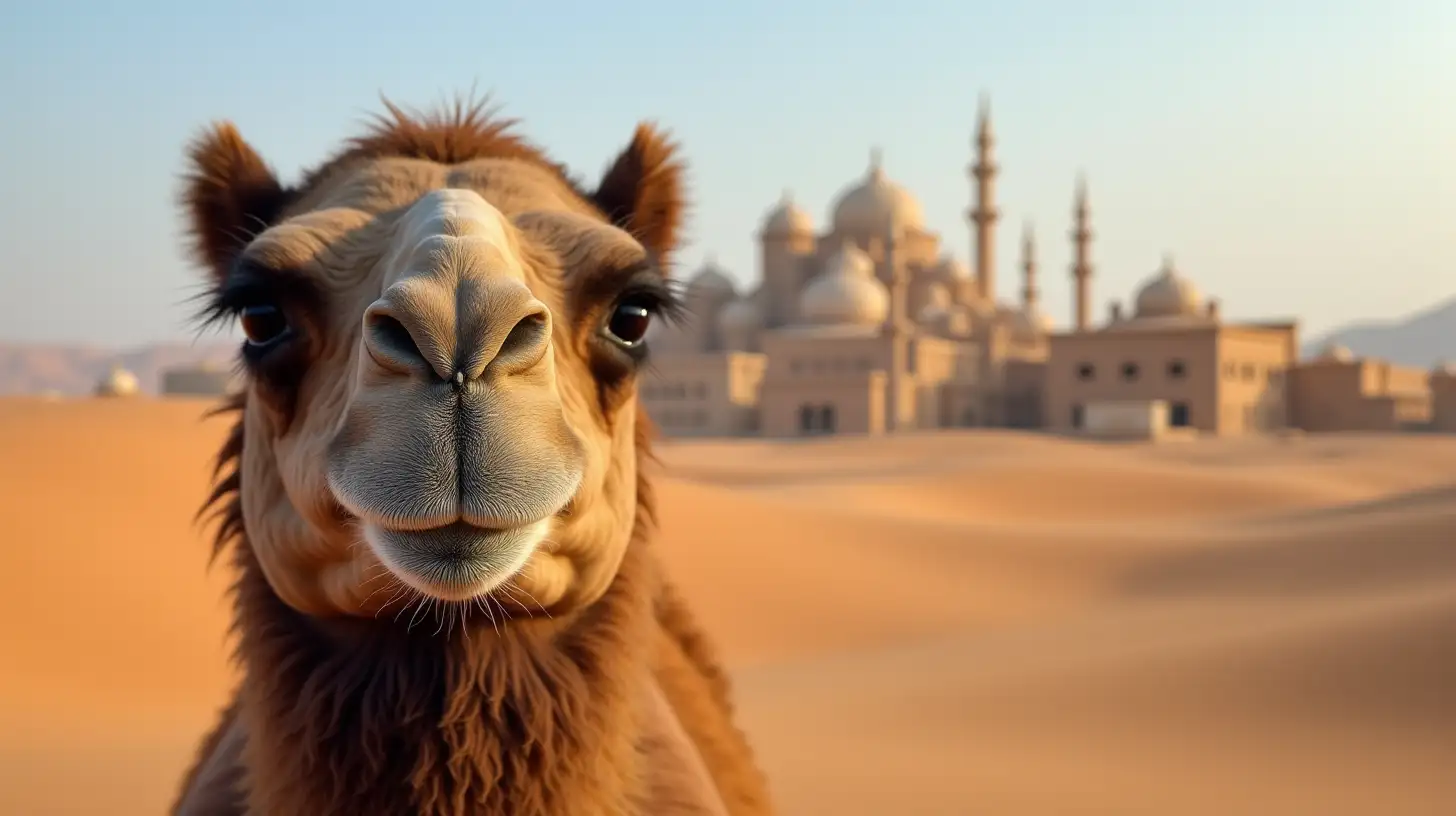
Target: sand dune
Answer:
pixel 952 623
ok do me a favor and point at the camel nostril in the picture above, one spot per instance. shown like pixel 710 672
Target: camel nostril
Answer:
pixel 391 343
pixel 526 341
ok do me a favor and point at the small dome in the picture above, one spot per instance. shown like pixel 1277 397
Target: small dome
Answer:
pixel 870 205
pixel 947 321
pixel 1336 353
pixel 118 383
pixel 739 324
pixel 786 219
pixel 1168 294
pixel 1031 322
pixel 711 279
pixel 847 291
pixel 949 268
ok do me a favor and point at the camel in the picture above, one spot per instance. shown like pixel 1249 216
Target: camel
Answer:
pixel 435 493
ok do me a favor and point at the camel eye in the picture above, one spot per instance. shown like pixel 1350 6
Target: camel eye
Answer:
pixel 263 324
pixel 628 322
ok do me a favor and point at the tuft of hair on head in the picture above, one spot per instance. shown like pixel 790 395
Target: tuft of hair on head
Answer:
pixel 644 191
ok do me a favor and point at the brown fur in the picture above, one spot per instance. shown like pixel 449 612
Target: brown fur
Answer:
pixel 538 716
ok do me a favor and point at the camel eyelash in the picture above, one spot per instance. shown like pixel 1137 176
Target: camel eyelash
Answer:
pixel 657 294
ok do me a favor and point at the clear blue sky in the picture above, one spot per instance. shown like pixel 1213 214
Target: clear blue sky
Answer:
pixel 1297 157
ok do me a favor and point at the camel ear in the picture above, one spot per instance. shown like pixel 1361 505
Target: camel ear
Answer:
pixel 642 192
pixel 230 194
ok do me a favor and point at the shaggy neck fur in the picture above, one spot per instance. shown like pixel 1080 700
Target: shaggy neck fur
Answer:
pixel 538 719
pixel 365 717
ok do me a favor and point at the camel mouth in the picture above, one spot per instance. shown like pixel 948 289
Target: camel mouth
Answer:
pixel 457 561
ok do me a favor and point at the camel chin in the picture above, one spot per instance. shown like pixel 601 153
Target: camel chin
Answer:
pixel 456 562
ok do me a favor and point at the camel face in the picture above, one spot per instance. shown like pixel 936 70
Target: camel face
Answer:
pixel 454 453
pixel 442 359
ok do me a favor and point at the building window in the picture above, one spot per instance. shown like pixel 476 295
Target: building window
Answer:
pixel 1130 371
pixel 1086 372
pixel 1177 369
pixel 807 417
pixel 1178 415
pixel 1230 370
pixel 816 419
pixel 1250 372
pixel 1077 415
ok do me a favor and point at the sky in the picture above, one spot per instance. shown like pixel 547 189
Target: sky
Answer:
pixel 1296 159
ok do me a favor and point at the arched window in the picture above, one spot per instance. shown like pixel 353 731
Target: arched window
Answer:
pixel 806 419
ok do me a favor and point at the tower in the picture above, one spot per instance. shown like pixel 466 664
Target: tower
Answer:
pixel 1029 293
pixel 897 325
pixel 1081 261
pixel 786 238
pixel 982 216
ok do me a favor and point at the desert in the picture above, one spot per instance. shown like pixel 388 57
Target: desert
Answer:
pixel 940 622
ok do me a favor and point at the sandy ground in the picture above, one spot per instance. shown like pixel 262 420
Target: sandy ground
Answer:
pixel 932 624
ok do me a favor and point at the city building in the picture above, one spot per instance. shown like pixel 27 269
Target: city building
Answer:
pixel 204 379
pixel 1337 391
pixel 1174 348
pixel 1442 383
pixel 870 326
pixel 864 327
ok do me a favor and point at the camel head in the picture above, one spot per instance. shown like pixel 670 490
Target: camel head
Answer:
pixel 443 335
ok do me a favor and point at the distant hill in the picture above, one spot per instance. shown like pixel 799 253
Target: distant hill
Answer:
pixel 1421 339
pixel 36 368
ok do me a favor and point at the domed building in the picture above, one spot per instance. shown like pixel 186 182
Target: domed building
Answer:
pixel 1172 365
pixel 118 382
pixel 868 325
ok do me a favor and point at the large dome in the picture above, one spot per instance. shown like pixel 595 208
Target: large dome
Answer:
pixel 846 292
pixel 1168 294
pixel 787 218
pixel 870 205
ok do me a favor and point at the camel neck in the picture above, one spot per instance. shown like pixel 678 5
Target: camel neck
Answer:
pixel 530 716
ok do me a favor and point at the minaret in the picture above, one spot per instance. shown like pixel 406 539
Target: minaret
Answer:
pixel 897 324
pixel 1081 262
pixel 1029 294
pixel 983 215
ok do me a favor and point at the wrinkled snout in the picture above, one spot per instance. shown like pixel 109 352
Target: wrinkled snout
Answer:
pixel 459 314
pixel 452 482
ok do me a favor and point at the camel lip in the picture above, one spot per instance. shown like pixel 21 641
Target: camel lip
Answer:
pixel 448 515
pixel 456 561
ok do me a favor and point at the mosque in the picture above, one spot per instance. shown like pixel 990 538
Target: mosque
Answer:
pixel 870 326
pixel 866 327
